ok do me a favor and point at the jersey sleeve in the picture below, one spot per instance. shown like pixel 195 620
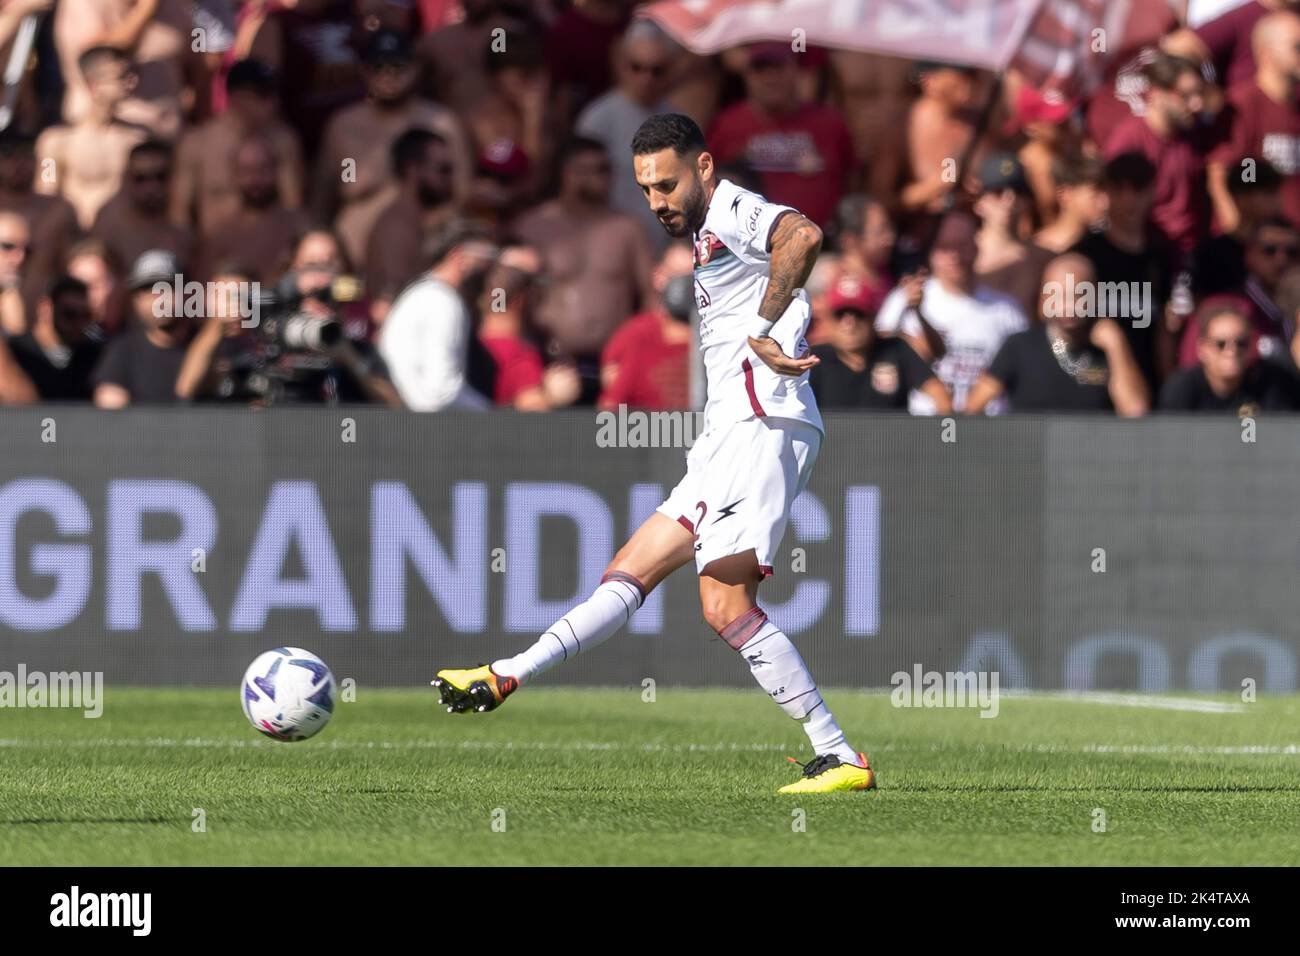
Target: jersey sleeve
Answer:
pixel 745 223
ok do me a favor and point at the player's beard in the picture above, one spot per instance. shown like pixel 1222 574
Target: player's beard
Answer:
pixel 691 215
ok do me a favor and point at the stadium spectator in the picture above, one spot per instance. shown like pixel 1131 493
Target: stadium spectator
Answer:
pixel 802 152
pixel 1164 134
pixel 503 324
pixel 1227 41
pixel 865 235
pixel 645 59
pixel 1273 248
pixel 90 262
pixel 1226 376
pixel 84 161
pixel 203 187
pixel 874 95
pixel 939 128
pixel 154 33
pixel 578 47
pixel 647 361
pixel 51 221
pixel 1132 259
pixel 61 351
pixel 422 166
pixel 971 319
pixel 15 243
pixel 1080 203
pixel 15 387
pixel 354 179
pixel 1071 361
pixel 140 366
pixel 598 262
pixel 425 338
pixel 1221 259
pixel 1262 120
pixel 452 57
pixel 1006 262
pixel 503 181
pixel 512 105
pixel 135 220
pixel 309 46
pixel 1046 122
pixel 859 369
pixel 261 229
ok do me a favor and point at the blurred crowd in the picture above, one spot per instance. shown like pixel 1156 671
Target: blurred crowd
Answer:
pixel 431 204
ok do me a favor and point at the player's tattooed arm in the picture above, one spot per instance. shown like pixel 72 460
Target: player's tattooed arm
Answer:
pixel 794 243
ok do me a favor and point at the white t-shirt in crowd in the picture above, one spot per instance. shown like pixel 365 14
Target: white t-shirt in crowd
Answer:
pixel 973 328
pixel 425 343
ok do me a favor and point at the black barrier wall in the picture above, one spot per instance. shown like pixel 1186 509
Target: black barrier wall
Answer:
pixel 172 546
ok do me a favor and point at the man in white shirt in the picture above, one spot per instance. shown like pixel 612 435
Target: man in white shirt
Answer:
pixel 972 320
pixel 762 436
pixel 425 338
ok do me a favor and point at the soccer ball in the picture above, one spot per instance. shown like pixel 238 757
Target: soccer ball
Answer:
pixel 288 694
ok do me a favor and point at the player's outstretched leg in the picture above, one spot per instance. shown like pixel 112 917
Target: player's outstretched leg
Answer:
pixel 659 547
pixel 728 589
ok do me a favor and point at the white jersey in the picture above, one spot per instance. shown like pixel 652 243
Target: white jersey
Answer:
pixel 731 276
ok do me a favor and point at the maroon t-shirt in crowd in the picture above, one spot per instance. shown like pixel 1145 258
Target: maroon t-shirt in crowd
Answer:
pixel 519 367
pixel 652 373
pixel 1178 206
pixel 804 159
pixel 578 54
pixel 1228 39
pixel 1258 128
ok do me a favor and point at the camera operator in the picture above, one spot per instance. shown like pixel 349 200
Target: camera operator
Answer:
pixel 285 347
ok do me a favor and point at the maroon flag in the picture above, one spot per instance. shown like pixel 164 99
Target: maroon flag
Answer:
pixel 1063 44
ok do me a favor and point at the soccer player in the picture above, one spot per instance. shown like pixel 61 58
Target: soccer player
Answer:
pixel 762 432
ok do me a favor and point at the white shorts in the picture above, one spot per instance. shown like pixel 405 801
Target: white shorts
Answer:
pixel 741 480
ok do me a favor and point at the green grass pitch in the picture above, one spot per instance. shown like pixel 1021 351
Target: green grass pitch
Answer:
pixel 601 777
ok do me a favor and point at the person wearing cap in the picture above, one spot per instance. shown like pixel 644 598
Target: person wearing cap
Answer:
pixel 1048 124
pixel 939 128
pixel 1005 261
pixel 1165 134
pixel 142 364
pixel 860 369
pixel 203 185
pixel 503 183
pixel 354 181
pixel 802 151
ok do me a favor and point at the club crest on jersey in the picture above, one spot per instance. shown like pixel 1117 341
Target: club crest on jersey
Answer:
pixel 705 247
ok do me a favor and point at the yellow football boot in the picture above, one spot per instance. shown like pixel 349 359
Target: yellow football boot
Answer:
pixel 828 773
pixel 477 689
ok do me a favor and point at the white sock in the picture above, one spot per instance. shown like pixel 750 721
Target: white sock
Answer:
pixel 590 623
pixel 776 665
